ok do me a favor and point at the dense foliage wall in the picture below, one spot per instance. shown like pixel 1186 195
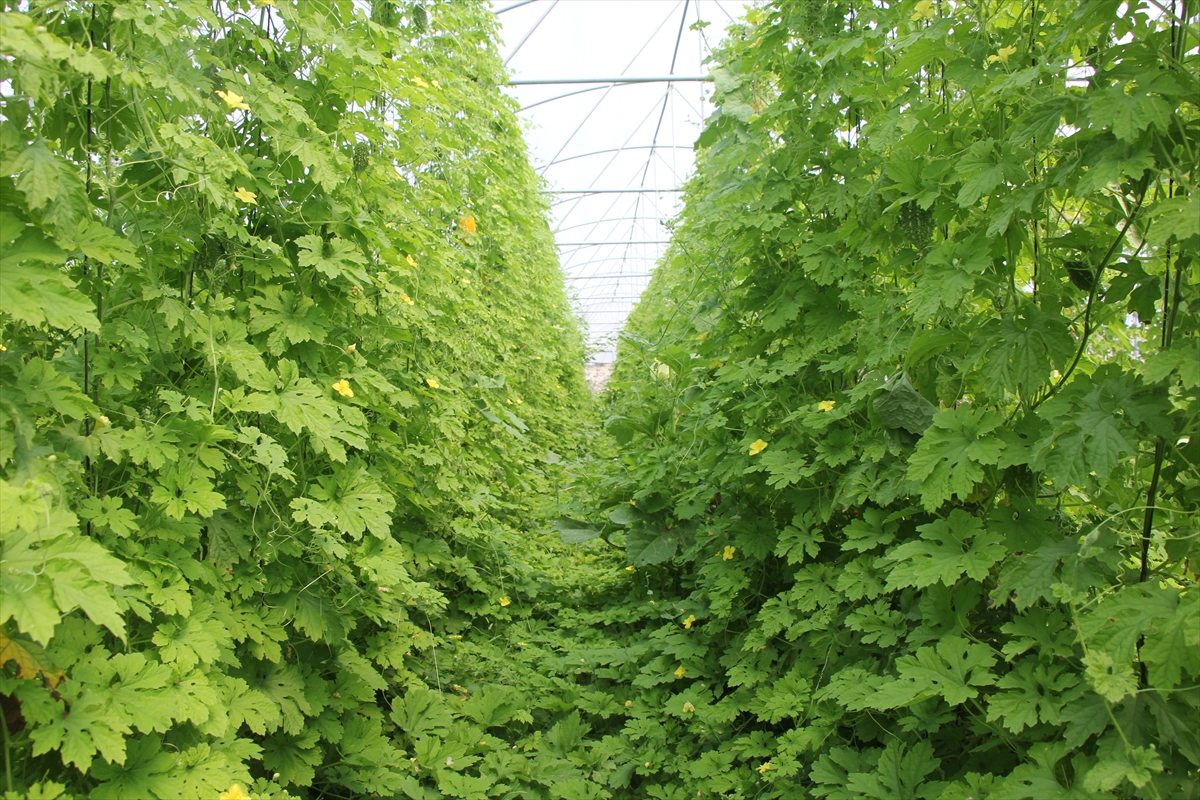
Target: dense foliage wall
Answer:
pixel 907 467
pixel 286 360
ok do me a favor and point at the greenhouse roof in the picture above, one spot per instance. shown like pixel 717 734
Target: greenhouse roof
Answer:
pixel 613 94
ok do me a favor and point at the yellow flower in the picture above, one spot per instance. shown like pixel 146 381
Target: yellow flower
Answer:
pixel 342 387
pixel 687 623
pixel 727 555
pixel 404 296
pixel 688 708
pixel 758 447
pixel 522 644
pixel 763 769
pixel 483 744
pixel 246 196
pixel 233 100
pixel 629 568
pixel 235 792
pixel 102 421
pixel 504 601
pixel 826 405
pixel 1002 55
pixel 924 10
pixel 629 704
pixel 412 262
pixel 467 223
pixel 432 383
pixel 421 82
pixel 466 282
pixel 350 348
pixel 679 672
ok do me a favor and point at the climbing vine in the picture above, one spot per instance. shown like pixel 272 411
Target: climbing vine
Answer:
pixel 906 462
pixel 286 360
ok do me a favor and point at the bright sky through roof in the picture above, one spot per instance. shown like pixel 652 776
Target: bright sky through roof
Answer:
pixel 604 138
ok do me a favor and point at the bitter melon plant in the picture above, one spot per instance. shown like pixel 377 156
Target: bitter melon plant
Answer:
pixel 286 370
pixel 906 456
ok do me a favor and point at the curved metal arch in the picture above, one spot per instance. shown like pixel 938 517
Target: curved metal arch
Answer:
pixel 525 39
pixel 614 220
pixel 515 5
pixel 561 96
pixel 621 150
pixel 623 257
pixel 608 89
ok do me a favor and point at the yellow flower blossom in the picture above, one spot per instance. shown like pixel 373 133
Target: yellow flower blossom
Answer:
pixel 235 792
pixel 629 568
pixel 687 623
pixel 727 554
pixel 233 100
pixel 432 383
pixel 466 282
pixel 924 10
pixel 758 447
pixel 504 601
pixel 350 348
pixel 629 704
pixel 412 262
pixel 522 644
pixel 421 82
pixel 404 297
pixel 826 405
pixel 246 196
pixel 467 223
pixel 342 387
pixel 680 672
pixel 763 769
pixel 483 744
pixel 1002 55
pixel 688 708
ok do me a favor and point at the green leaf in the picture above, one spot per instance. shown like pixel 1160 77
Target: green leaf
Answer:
pixel 197 639
pixel 1138 765
pixel 948 549
pixel 1128 113
pixel 1110 680
pixel 37 169
pixel 575 532
pixel 650 544
pixel 949 458
pixel 333 258
pixel 868 532
pixel 421 713
pixel 351 501
pixel 901 406
pixel 1175 217
pixel 1040 692
pixel 101 243
pixel 36 295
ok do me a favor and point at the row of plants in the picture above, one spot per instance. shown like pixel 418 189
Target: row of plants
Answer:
pixel 904 458
pixel 287 374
